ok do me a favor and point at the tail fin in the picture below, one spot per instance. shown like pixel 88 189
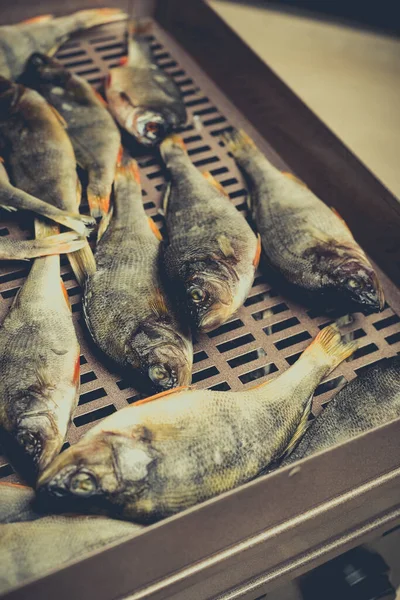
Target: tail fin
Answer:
pixel 54 244
pixel 38 19
pixel 92 17
pixel 82 224
pixel 82 263
pixel 137 27
pixel 99 205
pixel 172 145
pixel 329 347
pixel 128 168
pixel 238 142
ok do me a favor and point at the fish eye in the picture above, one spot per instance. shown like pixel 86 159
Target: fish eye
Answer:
pixel 37 60
pixel 353 283
pixel 153 130
pixel 197 294
pixel 82 484
pixel 159 374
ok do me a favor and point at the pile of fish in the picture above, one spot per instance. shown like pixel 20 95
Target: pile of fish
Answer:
pixel 143 297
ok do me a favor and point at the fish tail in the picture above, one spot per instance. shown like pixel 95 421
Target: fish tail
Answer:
pixel 172 145
pixel 92 17
pixel 37 19
pixel 128 169
pixel 99 204
pixel 139 27
pixel 238 142
pixel 81 224
pixel 82 263
pixel 329 348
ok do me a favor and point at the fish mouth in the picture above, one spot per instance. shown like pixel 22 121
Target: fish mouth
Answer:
pixel 213 318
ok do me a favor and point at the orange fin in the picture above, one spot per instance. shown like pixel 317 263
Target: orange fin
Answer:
pixel 155 229
pixel 59 117
pixel 77 370
pixel 335 212
pixel 123 61
pixel 161 395
pixel 17 485
pixel 65 294
pixel 172 140
pixel 157 304
pixel 120 155
pixel 99 205
pixel 257 256
pixel 38 19
pixel 260 385
pixel 100 98
pixel 294 178
pixel 207 175
pixel 128 168
pixel 1 160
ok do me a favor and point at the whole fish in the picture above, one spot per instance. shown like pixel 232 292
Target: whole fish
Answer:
pixel 39 363
pixel 142 97
pixel 368 401
pixel 125 306
pixel 45 34
pixel 154 459
pixel 41 157
pixel 212 253
pixel 94 135
pixel 33 544
pixel 12 198
pixel 302 238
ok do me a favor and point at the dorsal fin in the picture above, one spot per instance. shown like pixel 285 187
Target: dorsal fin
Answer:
pixel 207 175
pixel 161 395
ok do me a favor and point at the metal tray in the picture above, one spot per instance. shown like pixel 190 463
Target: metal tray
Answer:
pixel 287 522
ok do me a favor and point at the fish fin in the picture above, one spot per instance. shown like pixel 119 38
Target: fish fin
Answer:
pixel 100 98
pixel 65 294
pixel 77 370
pixel 225 246
pixel 300 431
pixel 59 117
pixel 294 178
pixel 43 381
pixel 161 395
pixel 9 208
pixel 257 256
pixel 171 142
pixel 157 304
pixel 38 19
pixel 17 485
pixel 104 223
pixel 128 168
pixel 93 17
pixel 98 205
pixel 123 61
pixel 207 175
pixel 43 229
pixel 120 155
pixel 248 201
pixel 238 141
pixel 330 347
pixel 155 229
pixel 60 243
pixel 165 199
pixel 339 216
pixel 140 26
pixel 82 263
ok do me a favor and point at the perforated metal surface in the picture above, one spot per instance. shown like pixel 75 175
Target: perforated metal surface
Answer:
pixel 270 331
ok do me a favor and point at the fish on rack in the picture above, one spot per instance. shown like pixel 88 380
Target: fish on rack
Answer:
pixel 45 33
pixel 39 153
pixel 144 100
pixel 304 240
pixel 126 308
pixel 212 253
pixel 92 130
pixel 370 400
pixel 12 199
pixel 167 453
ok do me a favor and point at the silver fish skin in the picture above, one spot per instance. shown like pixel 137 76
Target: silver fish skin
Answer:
pixel 45 34
pixel 168 453
pixel 127 310
pixel 368 401
pixel 302 238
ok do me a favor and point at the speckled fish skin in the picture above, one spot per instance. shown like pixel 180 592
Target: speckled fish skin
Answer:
pixel 40 156
pixel 126 308
pixel 368 401
pixel 94 135
pixel 211 254
pixel 39 365
pixel 12 198
pixel 152 460
pixel 142 97
pixel 45 34
pixel 308 243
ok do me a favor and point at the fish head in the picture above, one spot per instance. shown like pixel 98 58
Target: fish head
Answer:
pixel 10 94
pixel 210 292
pixel 161 354
pixel 42 69
pixel 358 281
pixel 104 469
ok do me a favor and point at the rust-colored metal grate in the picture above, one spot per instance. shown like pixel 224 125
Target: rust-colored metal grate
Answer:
pixel 270 331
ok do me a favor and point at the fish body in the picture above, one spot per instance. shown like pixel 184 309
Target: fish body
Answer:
pixel 368 401
pixel 212 252
pixel 144 100
pixel 40 156
pixel 12 198
pixel 94 135
pixel 126 308
pixel 152 460
pixel 45 34
pixel 302 238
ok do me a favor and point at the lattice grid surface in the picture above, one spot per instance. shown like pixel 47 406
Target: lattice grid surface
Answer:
pixel 270 331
